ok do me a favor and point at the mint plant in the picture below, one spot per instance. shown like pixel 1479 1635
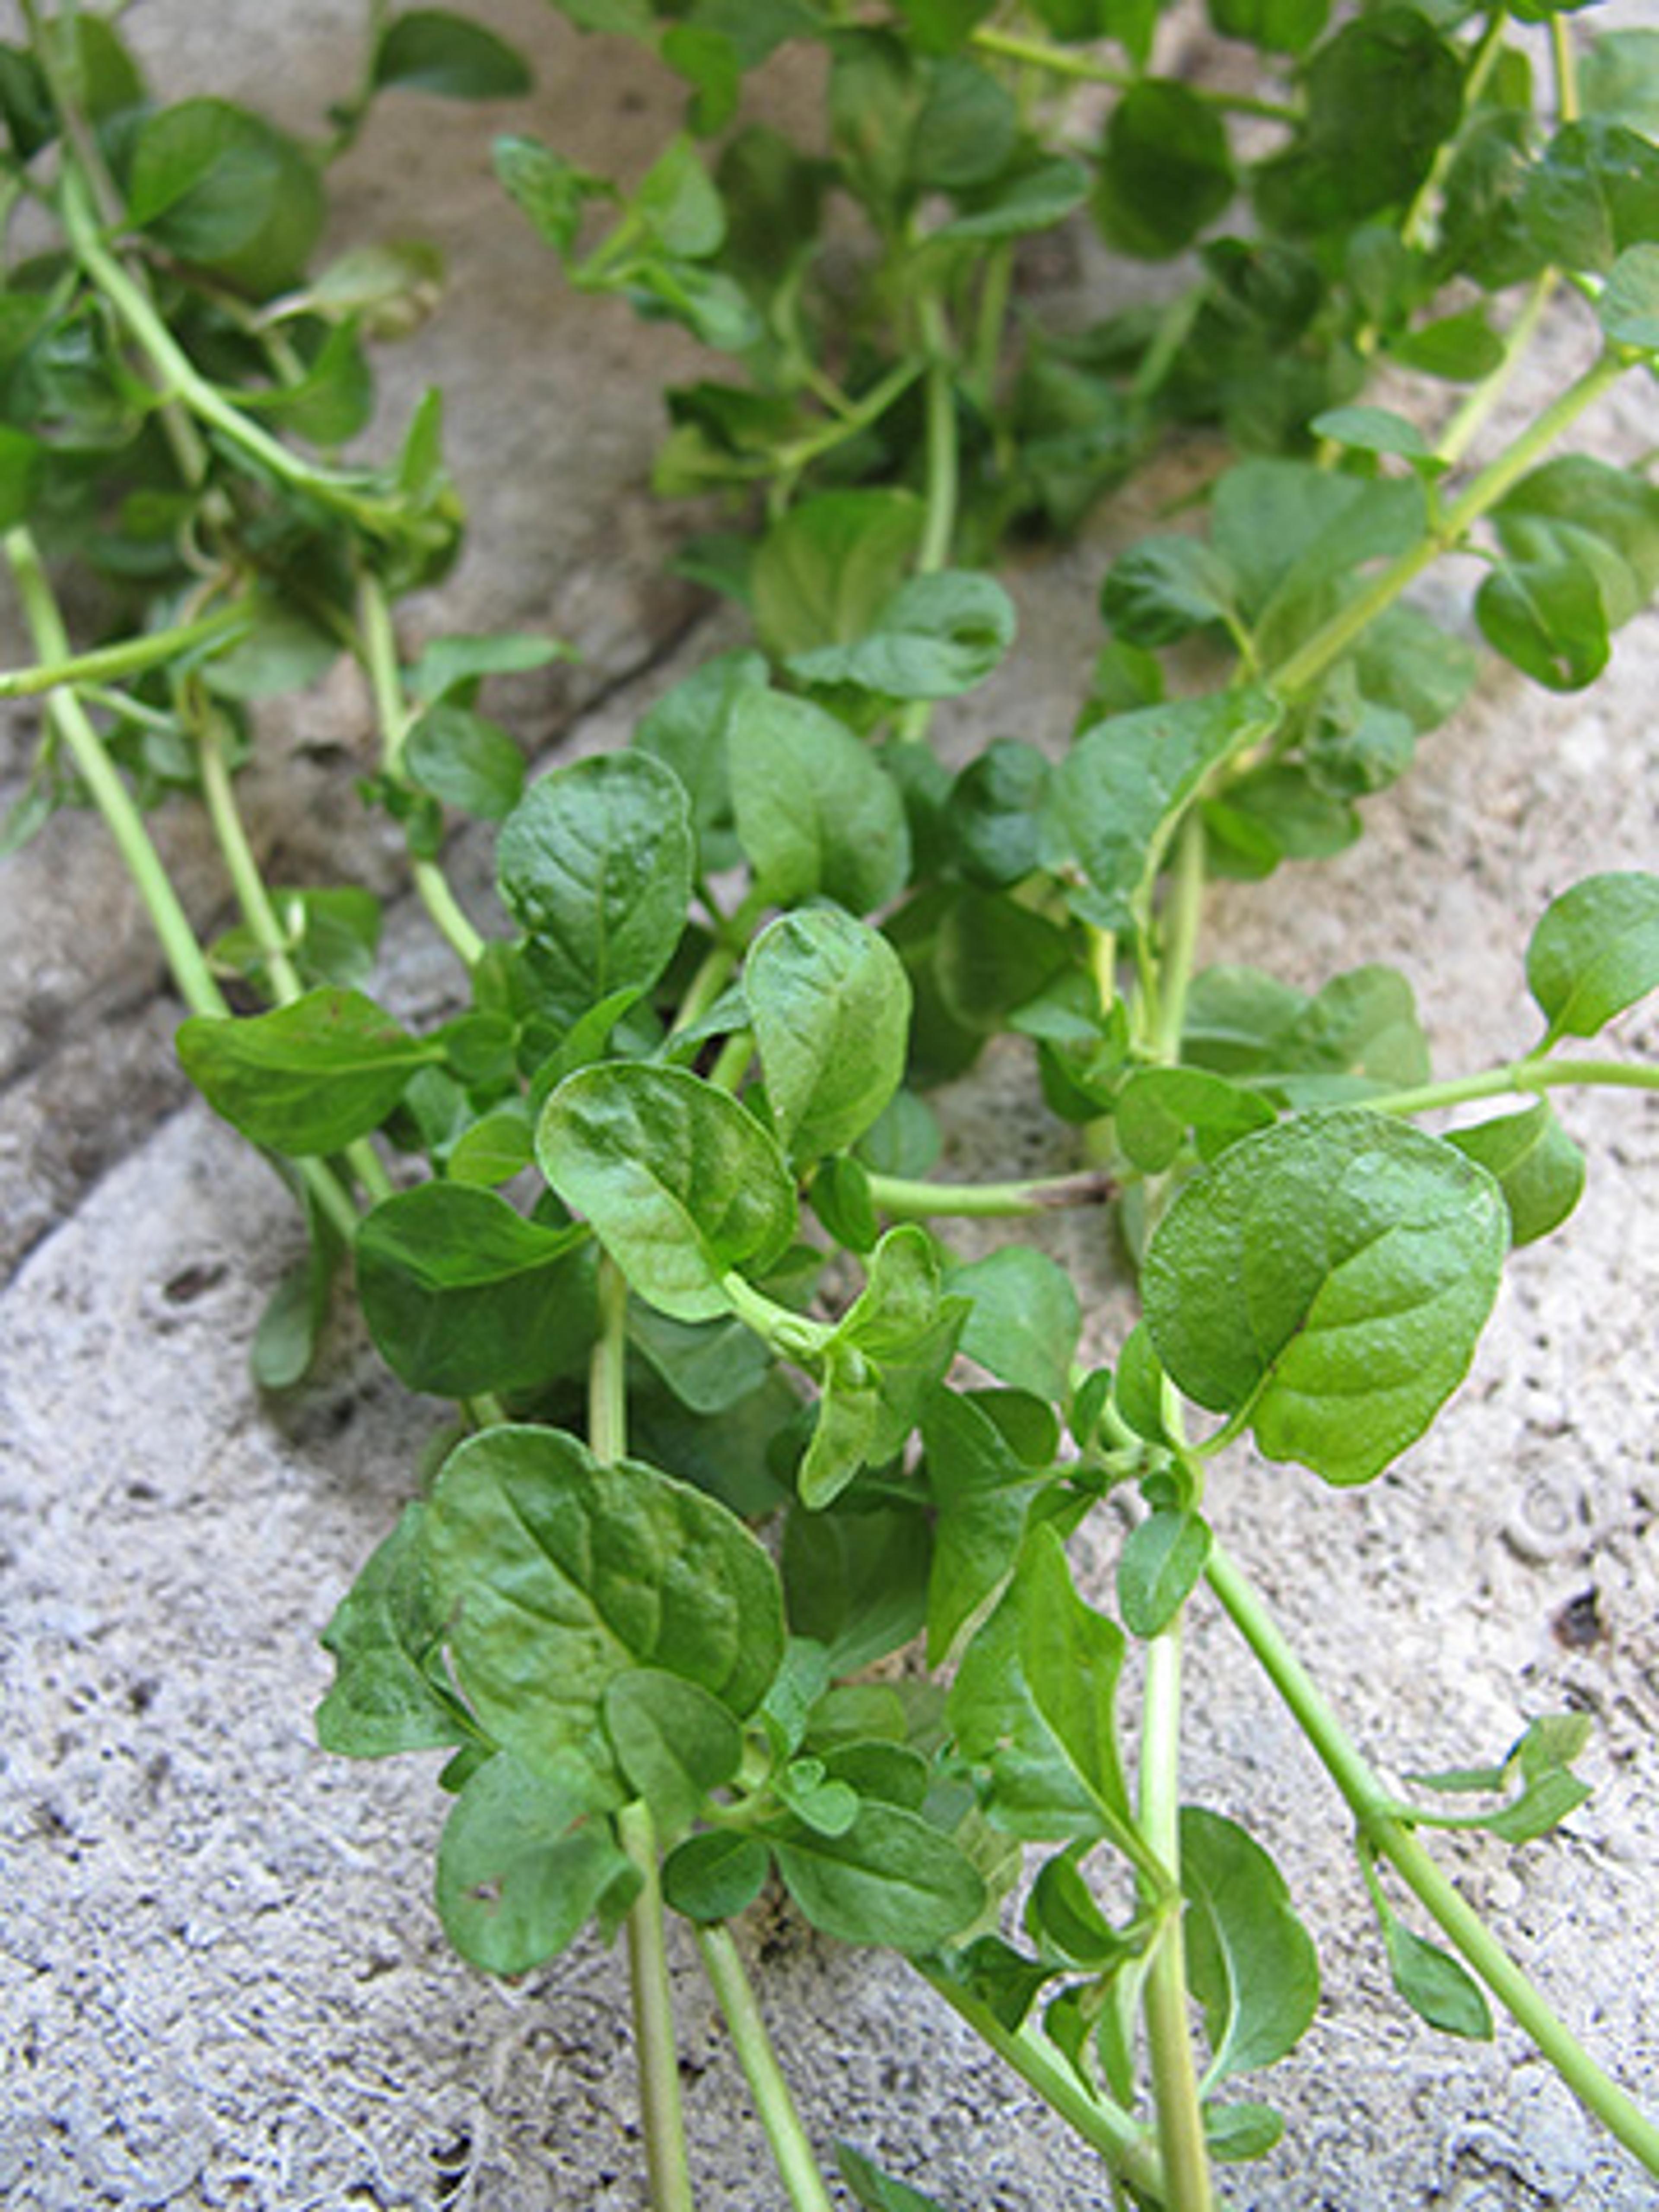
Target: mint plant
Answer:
pixel 656 1207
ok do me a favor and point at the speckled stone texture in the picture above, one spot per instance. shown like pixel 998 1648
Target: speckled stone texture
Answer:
pixel 222 1981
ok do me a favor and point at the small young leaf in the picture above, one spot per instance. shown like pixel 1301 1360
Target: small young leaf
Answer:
pixel 888 1879
pixel 1327 1279
pixel 1157 1106
pixel 458 663
pixel 468 762
pixel 462 1295
pixel 1438 1988
pixel 1159 1568
pixel 824 573
pixel 878 2191
pixel 937 636
pixel 681 1183
pixel 829 1004
pixel 1062 1917
pixel 307 1077
pixel 1236 2133
pixel 1628 309
pixel 1594 952
pixel 715 1876
pixel 432 51
pixel 993 811
pixel 1252 1964
pixel 982 1492
pixel 522 1863
pixel 1594 193
pixel 1539 1167
pixel 687 729
pixel 1164 588
pixel 218 185
pixel 673 1741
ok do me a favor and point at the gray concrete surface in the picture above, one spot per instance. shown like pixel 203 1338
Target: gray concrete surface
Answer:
pixel 222 1982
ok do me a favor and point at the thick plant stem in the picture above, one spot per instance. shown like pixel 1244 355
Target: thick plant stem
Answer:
pixel 1394 1838
pixel 791 2150
pixel 607 1373
pixel 1127 2148
pixel 1168 2030
pixel 653 2022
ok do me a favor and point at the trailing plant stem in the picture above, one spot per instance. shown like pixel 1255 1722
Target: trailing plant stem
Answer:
pixel 654 2021
pixel 1124 2147
pixel 108 664
pixel 903 1198
pixel 1394 1838
pixel 1174 2079
pixel 1520 1075
pixel 607 1373
pixel 1059 61
pixel 1302 669
pixel 774 2105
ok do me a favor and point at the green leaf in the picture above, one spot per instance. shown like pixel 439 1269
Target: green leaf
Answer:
pixel 430 50
pixel 1594 193
pixel 493 1148
pixel 816 814
pixel 1620 79
pixel 462 1295
pixel 681 1183
pixel 673 1741
pixel 290 1327
pixel 460 662
pixel 710 1366
pixel 559 1574
pixel 716 1876
pixel 856 1582
pixel 1539 1169
pixel 551 192
pixel 982 1492
pixel 1157 1106
pixel 1166 170
pixel 824 573
pixel 218 185
pixel 1594 952
pixel 1119 794
pixel 596 863
pixel 875 2190
pixel 1582 542
pixel 1025 1321
pixel 522 1863
pixel 1289 532
pixel 1237 2132
pixel 311 1076
pixel 994 811
pixel 21 457
pixel 890 1879
pixel 829 1004
pixel 1373 430
pixel 1438 1988
pixel 467 762
pixel 1252 1966
pixel 688 728
pixel 1460 348
pixel 1062 1917
pixel 1159 1568
pixel 1628 309
pixel 937 636
pixel 390 1693
pixel 1283 27
pixel 1326 1280
pixel 1034 193
pixel 1164 588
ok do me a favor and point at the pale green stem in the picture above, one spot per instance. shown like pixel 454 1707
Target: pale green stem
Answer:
pixel 791 2152
pixel 107 663
pixel 939 524
pixel 254 901
pixel 1393 1839
pixel 660 2110
pixel 1473 416
pixel 379 648
pixel 1520 1076
pixel 1081 68
pixel 185 958
pixel 1178 946
pixel 903 1198
pixel 732 1061
pixel 1302 669
pixel 1125 2147
pixel 1168 2030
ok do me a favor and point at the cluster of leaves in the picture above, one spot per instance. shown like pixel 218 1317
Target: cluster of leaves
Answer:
pixel 667 1245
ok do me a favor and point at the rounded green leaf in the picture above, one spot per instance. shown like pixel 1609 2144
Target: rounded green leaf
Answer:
pixel 1252 1964
pixel 715 1876
pixel 673 1741
pixel 816 814
pixel 560 1574
pixel 889 1878
pixel 681 1183
pixel 1596 951
pixel 522 1864
pixel 829 1004
pixel 595 864
pixel 1539 1167
pixel 432 51
pixel 307 1077
pixel 1327 1280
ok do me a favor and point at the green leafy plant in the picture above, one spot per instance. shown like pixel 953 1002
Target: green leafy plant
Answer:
pixel 661 1220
